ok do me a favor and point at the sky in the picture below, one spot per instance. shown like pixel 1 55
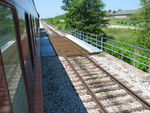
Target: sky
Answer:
pixel 52 8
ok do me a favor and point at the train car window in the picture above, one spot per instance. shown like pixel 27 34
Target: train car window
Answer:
pixel 37 27
pixel 29 34
pixel 11 61
pixel 32 29
pixel 33 26
pixel 36 21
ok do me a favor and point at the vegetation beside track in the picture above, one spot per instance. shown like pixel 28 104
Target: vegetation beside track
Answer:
pixel 124 35
pixel 139 38
pixel 58 22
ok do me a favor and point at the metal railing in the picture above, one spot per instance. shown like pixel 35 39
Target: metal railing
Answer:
pixel 137 56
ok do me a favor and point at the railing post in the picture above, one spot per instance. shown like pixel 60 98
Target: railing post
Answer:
pixel 102 43
pixel 79 34
pixel 91 39
pixel 96 42
pixel 72 32
pixel 121 56
pixel 149 67
pixel 76 34
pixel 83 35
pixel 134 56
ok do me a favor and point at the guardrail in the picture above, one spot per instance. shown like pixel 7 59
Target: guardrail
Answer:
pixel 137 56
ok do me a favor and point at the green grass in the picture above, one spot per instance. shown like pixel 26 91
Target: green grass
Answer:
pixel 123 35
pixel 122 21
pixel 128 36
pixel 59 23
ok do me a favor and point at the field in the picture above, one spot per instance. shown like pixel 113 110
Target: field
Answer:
pixel 123 35
pixel 122 21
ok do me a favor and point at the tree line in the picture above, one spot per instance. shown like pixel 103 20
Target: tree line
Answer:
pixel 143 20
pixel 88 15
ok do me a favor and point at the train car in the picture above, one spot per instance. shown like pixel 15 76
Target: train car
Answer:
pixel 20 68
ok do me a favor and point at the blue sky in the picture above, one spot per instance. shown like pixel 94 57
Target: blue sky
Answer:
pixel 51 8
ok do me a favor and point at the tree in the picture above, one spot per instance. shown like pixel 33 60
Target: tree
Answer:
pixel 86 15
pixel 109 10
pixel 67 4
pixel 143 18
pixel 113 11
pixel 5 20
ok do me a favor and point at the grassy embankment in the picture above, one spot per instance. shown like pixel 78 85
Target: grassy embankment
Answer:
pixel 128 36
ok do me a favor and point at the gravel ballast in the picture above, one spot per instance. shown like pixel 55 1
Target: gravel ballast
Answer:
pixel 58 91
pixel 134 78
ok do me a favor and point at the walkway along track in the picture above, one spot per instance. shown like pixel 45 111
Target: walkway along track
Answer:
pixel 144 106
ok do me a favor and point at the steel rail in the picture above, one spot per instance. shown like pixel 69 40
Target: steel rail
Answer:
pixel 129 91
pixel 103 109
pixel 145 104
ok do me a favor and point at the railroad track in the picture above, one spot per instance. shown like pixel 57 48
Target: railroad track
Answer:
pixel 109 94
